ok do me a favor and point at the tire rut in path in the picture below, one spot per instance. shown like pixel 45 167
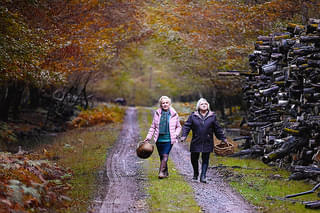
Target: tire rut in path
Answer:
pixel 123 171
pixel 216 196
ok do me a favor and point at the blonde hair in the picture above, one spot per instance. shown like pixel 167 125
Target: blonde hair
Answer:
pixel 202 100
pixel 164 97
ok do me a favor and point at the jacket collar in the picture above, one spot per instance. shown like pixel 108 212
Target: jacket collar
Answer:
pixel 171 109
pixel 196 113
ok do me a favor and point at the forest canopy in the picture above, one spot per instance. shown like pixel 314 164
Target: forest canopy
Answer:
pixel 146 48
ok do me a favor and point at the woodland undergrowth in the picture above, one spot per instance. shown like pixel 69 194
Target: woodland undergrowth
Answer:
pixel 50 179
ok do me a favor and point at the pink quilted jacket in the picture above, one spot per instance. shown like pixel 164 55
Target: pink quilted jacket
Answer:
pixel 174 125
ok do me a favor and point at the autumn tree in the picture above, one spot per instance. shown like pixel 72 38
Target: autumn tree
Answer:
pixel 45 42
pixel 205 37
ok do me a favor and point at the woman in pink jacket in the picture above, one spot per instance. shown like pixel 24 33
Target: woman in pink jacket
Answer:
pixel 165 129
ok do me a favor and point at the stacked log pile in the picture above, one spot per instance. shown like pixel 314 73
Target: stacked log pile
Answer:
pixel 282 92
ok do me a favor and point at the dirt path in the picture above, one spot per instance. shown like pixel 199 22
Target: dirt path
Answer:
pixel 215 196
pixel 123 191
pixel 124 181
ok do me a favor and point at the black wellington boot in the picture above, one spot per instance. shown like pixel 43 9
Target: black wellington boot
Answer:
pixel 204 168
pixel 195 165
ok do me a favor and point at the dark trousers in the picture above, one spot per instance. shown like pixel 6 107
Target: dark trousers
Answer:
pixel 195 163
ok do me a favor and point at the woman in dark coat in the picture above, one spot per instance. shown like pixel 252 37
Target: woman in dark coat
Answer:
pixel 203 124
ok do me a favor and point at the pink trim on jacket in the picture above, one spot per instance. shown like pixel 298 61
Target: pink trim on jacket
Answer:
pixel 174 126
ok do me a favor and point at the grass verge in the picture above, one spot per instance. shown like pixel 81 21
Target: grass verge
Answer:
pixel 166 195
pixel 84 151
pixel 263 185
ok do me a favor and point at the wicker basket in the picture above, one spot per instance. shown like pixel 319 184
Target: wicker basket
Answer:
pixel 224 149
pixel 144 149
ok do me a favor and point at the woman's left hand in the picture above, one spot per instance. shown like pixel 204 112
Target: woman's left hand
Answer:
pixel 181 139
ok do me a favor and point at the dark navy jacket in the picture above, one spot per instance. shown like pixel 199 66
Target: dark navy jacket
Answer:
pixel 202 131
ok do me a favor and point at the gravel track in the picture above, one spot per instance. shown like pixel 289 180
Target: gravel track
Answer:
pixel 123 192
pixel 122 181
pixel 215 196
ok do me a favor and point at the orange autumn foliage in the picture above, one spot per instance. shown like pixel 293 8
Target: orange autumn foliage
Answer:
pixel 98 116
pixel 30 183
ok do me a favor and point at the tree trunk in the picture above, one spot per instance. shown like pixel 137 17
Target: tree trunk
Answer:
pixel 6 102
pixel 16 100
pixel 34 97
pixel 220 103
pixel 304 13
